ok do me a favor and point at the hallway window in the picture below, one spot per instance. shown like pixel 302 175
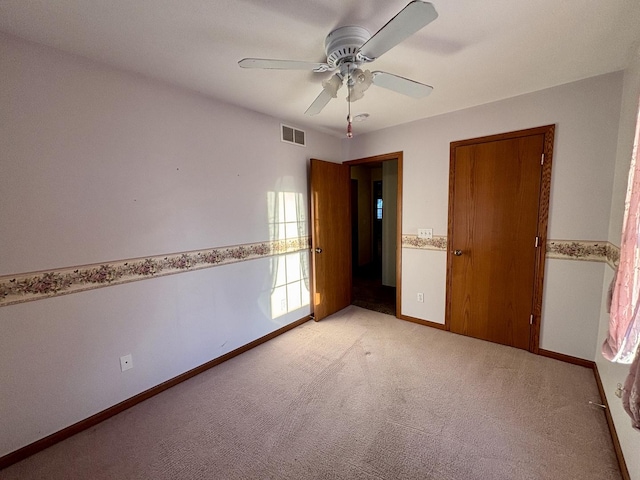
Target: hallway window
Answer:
pixel 379 209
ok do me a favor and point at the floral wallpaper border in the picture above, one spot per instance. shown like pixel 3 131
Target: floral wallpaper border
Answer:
pixel 435 243
pixel 26 287
pixel 584 250
pixel 558 249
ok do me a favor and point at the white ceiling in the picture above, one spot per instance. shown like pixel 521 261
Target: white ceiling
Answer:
pixel 473 53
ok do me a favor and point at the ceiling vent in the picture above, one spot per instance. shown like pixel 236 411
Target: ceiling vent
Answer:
pixel 293 135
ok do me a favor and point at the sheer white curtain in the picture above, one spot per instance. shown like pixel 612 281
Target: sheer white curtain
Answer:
pixel 624 327
pixel 622 342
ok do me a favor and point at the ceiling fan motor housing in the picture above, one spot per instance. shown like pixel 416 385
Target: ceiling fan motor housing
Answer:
pixel 343 43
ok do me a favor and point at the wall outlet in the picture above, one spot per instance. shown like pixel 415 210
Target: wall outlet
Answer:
pixel 126 362
pixel 421 297
pixel 426 233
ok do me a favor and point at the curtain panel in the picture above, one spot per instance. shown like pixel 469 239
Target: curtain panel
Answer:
pixel 622 342
pixel 624 325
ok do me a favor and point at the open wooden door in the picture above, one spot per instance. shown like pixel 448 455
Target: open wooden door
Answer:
pixel 331 237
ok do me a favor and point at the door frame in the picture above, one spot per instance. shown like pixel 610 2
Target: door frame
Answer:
pixel 543 221
pixel 378 159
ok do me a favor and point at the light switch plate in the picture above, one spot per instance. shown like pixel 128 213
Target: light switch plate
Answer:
pixel 426 233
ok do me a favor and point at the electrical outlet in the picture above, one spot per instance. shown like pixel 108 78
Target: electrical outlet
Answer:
pixel 126 362
pixel 421 297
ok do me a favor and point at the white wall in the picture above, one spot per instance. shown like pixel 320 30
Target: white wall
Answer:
pixel 612 373
pixel 572 298
pixel 586 115
pixel 101 165
pixel 389 221
pixel 424 271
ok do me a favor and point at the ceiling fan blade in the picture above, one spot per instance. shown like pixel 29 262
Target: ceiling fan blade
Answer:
pixel 411 18
pixel 401 85
pixel 319 103
pixel 283 64
pixel 329 90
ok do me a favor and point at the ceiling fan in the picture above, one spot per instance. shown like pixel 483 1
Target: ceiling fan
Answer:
pixel 349 48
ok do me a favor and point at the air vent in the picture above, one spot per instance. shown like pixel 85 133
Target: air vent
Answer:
pixel 293 135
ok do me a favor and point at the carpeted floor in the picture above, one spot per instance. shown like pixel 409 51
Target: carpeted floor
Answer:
pixel 359 395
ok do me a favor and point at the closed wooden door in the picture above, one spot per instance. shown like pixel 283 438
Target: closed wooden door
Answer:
pixel 331 237
pixel 494 267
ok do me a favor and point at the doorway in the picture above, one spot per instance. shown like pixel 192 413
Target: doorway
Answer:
pixel 498 210
pixel 375 218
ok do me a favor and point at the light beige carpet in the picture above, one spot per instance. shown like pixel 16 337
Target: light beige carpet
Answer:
pixel 358 395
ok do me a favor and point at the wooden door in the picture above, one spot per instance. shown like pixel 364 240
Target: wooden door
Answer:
pixel 331 237
pixel 497 208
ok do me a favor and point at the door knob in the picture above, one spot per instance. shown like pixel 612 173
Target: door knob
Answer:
pixel 457 253
pixel 318 250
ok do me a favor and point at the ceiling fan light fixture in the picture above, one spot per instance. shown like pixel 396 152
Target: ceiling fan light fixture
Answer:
pixel 350 47
pixel 354 94
pixel 363 77
pixel 332 85
pixel 361 81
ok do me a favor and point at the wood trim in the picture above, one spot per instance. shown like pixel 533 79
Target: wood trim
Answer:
pixel 374 159
pixel 543 223
pixel 379 159
pixel 449 280
pixel 612 428
pixel 399 237
pixel 566 358
pixel 505 136
pixel 93 420
pixel 427 323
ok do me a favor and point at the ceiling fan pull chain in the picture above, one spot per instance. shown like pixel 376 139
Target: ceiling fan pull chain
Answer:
pixel 349 90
